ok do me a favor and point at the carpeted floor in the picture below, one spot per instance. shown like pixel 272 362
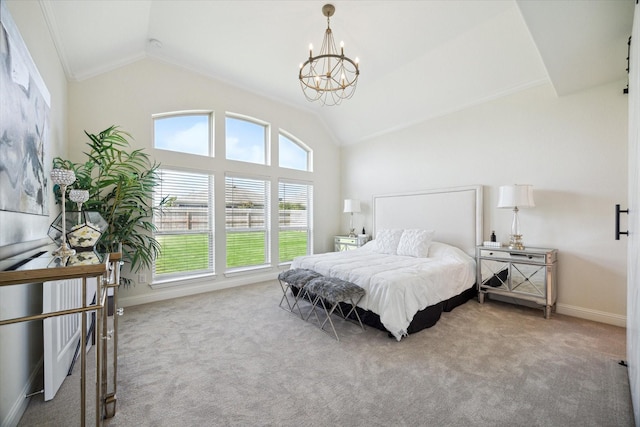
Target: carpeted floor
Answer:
pixel 233 358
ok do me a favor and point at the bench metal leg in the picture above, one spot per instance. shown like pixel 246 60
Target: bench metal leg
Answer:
pixel 290 307
pixel 352 310
pixel 285 288
pixel 328 318
pixel 335 308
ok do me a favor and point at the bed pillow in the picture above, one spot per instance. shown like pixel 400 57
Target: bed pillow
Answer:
pixel 415 243
pixel 387 241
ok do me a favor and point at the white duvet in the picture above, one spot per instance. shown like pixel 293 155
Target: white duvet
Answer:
pixel 397 287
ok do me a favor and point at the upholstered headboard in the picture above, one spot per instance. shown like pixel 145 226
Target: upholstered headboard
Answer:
pixel 454 213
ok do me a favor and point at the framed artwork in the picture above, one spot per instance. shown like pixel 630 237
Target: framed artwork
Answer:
pixel 24 124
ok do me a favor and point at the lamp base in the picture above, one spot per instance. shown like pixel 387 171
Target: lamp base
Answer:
pixel 515 242
pixel 64 251
pixel 352 232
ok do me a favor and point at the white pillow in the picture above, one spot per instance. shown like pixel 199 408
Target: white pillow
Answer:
pixel 387 241
pixel 415 243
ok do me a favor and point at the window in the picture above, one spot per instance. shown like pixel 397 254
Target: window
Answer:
pixel 185 225
pixel 247 222
pixel 294 220
pixel 185 133
pixel 246 141
pixel 292 155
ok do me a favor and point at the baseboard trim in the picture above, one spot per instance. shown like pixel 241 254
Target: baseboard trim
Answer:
pixel 20 404
pixel 595 315
pixel 194 289
pixel 214 285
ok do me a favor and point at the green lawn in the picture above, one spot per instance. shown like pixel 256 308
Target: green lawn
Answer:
pixel 190 252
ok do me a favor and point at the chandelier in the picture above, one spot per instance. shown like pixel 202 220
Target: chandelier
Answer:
pixel 330 76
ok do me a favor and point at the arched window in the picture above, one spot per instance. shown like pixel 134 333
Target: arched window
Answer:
pixel 293 154
pixel 246 140
pixel 186 133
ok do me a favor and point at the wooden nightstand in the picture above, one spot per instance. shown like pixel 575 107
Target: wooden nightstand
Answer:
pixel 346 243
pixel 528 274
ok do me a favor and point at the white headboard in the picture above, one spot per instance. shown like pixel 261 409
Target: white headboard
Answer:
pixel 454 213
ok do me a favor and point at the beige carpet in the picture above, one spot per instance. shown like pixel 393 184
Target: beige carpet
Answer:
pixel 233 358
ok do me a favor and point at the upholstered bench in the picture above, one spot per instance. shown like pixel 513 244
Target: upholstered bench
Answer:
pixel 295 278
pixel 333 291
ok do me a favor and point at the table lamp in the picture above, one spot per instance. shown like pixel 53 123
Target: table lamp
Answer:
pixel 515 197
pixel 351 206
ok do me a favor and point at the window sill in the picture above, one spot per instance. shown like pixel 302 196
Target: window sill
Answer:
pixel 182 280
pixel 247 270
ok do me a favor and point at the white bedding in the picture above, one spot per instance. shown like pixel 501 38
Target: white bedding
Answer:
pixel 397 287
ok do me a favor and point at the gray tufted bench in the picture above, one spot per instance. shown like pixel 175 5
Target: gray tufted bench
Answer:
pixel 326 292
pixel 333 291
pixel 295 278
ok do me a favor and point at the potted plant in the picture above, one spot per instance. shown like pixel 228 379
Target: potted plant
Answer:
pixel 121 184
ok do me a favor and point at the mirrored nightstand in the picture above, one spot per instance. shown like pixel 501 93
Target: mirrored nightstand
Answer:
pixel 528 274
pixel 346 243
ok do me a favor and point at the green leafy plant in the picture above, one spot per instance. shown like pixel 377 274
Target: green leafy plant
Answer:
pixel 121 184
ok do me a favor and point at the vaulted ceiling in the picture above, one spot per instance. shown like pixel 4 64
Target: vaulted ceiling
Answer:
pixel 418 59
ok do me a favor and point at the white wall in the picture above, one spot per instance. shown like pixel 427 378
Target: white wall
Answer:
pixel 573 151
pixel 21 344
pixel 130 95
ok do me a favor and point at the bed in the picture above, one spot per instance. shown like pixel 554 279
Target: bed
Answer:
pixel 420 263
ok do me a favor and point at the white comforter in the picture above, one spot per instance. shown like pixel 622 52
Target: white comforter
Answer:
pixel 397 287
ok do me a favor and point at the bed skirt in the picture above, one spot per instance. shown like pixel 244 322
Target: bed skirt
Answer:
pixel 423 319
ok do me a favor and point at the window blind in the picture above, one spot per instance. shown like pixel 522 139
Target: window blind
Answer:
pixel 294 219
pixel 185 225
pixel 247 221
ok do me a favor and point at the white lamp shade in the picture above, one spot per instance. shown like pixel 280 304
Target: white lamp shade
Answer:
pixel 351 206
pixel 512 196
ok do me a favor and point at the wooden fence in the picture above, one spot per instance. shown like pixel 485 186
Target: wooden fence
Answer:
pixel 180 219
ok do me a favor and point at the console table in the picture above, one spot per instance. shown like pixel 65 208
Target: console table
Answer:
pixel 105 268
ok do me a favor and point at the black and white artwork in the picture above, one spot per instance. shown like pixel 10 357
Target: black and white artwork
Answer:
pixel 24 123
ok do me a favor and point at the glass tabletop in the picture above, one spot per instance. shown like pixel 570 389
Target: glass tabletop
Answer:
pixel 42 264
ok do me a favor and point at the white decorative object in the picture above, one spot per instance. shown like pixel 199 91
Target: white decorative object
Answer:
pixel 415 242
pixel 492 244
pixel 387 241
pixel 79 197
pixel 63 178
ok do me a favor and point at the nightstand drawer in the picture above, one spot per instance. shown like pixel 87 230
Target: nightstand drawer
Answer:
pixel 347 240
pixel 518 256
